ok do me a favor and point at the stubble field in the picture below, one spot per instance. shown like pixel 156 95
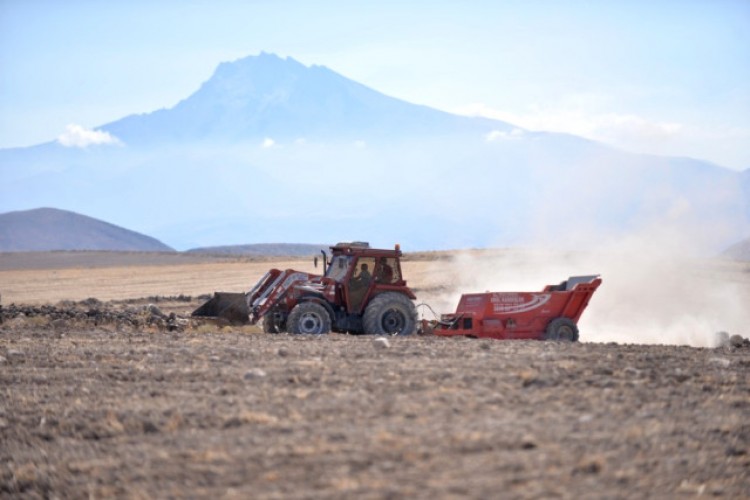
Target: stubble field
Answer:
pixel 105 396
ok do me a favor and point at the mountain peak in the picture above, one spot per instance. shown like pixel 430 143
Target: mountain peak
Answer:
pixel 265 95
pixel 263 62
pixel 248 79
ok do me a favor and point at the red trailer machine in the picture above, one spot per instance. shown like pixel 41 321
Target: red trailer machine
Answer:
pixel 550 315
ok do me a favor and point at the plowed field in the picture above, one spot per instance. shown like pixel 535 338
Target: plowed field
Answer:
pixel 113 398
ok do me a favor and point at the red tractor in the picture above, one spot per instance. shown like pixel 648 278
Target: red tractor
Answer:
pixel 362 290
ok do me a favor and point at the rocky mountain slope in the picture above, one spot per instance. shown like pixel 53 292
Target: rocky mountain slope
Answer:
pixel 267 96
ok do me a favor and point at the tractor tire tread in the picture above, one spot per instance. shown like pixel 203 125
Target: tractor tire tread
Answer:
pixel 372 319
pixel 296 315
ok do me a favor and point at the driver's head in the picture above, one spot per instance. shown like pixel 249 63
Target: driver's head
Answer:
pixel 364 267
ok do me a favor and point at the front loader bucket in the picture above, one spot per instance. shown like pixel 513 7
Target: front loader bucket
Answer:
pixel 229 306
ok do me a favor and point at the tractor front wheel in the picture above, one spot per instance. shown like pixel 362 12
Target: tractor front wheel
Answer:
pixel 309 318
pixel 562 329
pixel 390 313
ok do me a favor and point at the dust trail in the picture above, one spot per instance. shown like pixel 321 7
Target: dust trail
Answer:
pixel 649 295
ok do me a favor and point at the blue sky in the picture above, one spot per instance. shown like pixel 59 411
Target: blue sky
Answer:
pixel 664 77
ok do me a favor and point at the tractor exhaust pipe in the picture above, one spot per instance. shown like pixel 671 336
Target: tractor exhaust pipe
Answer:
pixel 325 261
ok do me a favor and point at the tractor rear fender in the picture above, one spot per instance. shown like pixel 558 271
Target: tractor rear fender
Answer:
pixel 398 289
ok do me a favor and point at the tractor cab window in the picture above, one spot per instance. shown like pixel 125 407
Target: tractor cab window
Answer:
pixel 386 271
pixel 360 281
pixel 338 268
pixel 363 272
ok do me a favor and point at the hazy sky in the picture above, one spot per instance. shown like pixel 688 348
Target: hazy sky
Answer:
pixel 658 76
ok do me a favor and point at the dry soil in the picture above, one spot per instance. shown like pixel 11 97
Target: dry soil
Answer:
pixel 128 398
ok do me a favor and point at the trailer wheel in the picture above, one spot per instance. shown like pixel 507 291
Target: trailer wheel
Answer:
pixel 390 313
pixel 308 318
pixel 562 329
pixel 272 324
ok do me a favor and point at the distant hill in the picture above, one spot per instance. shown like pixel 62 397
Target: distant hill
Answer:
pixel 44 229
pixel 738 251
pixel 264 249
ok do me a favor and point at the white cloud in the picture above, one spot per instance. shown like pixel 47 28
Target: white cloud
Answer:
pixel 724 145
pixel 76 136
pixel 268 143
pixel 501 135
pixel 607 127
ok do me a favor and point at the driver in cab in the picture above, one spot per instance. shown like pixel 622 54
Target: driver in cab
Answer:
pixel 362 280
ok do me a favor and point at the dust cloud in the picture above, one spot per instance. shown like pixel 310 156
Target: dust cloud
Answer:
pixel 653 291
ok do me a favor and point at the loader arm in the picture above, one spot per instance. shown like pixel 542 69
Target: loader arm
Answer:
pixel 271 290
pixel 244 308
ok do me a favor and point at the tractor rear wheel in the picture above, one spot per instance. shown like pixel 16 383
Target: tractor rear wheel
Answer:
pixel 562 329
pixel 308 318
pixel 390 313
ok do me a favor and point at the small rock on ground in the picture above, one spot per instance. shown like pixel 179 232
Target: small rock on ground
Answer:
pixel 255 373
pixel 381 343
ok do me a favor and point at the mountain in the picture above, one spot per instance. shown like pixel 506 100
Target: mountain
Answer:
pixel 264 249
pixel 738 251
pixel 45 229
pixel 269 149
pixel 266 96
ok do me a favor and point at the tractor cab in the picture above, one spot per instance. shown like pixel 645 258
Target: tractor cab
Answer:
pixel 362 271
